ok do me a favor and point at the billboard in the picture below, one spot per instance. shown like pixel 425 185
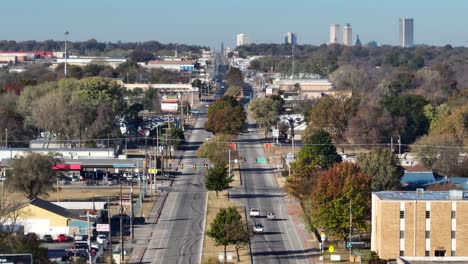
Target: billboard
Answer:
pixel 169 107
pixel 16 259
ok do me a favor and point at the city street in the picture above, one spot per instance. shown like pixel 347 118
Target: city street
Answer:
pixel 178 236
pixel 279 242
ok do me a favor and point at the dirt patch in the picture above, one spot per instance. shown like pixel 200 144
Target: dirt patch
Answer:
pixel 210 250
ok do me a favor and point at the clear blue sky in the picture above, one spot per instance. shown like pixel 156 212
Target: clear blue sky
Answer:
pixel 210 22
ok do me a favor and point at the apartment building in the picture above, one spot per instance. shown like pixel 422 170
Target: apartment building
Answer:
pixel 420 224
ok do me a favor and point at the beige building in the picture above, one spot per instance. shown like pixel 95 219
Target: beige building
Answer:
pixel 420 224
pixel 309 88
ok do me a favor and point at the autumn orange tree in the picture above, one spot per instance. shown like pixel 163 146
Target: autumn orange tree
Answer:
pixel 340 188
pixel 225 116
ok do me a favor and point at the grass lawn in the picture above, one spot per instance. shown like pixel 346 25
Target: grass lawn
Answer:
pixel 209 248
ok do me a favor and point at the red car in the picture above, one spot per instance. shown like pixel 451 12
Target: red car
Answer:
pixel 62 238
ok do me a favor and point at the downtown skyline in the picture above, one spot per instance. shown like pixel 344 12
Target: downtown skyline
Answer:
pixel 211 22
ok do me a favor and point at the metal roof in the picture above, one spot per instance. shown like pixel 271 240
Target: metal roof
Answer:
pixel 422 195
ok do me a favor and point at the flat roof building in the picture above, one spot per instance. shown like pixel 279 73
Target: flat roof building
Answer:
pixel 242 39
pixel 335 34
pixel 406 32
pixel 420 224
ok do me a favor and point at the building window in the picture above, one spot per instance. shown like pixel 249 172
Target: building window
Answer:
pixel 427 253
pixel 454 235
pixel 428 214
pixel 439 253
pixel 402 214
pixel 402 234
pixel 402 253
pixel 454 214
pixel 428 234
pixel 452 253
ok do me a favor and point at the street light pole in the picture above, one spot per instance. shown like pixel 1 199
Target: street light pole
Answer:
pixel 66 55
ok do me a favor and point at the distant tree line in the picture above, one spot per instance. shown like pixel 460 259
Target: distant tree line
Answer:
pixel 93 47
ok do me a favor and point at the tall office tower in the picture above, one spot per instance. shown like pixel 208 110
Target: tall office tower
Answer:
pixel 290 38
pixel 347 35
pixel 335 33
pixel 242 39
pixel 406 32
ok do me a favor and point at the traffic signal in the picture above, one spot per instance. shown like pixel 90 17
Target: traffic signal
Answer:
pixel 205 166
pixel 194 166
pixel 182 166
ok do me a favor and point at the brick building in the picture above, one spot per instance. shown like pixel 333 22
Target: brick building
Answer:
pixel 420 224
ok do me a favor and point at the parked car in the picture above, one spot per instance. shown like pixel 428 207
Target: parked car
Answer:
pixel 62 238
pixel 258 228
pixel 101 239
pixel 271 216
pixel 254 212
pixel 48 239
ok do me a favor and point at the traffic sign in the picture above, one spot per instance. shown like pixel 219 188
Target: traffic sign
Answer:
pixel 261 160
pixel 267 145
pixel 331 249
pixel 103 227
pixel 349 244
pixel 153 170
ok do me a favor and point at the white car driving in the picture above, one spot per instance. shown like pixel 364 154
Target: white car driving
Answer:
pixel 254 212
pixel 258 228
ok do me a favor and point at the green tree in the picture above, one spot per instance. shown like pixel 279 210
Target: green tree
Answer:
pixel 32 175
pixel 384 167
pixel 265 111
pixel 319 151
pixel 238 233
pixel 219 228
pixel 217 179
pixel 177 137
pixel 215 149
pixel 23 244
pixel 234 91
pixel 342 187
pixel 234 77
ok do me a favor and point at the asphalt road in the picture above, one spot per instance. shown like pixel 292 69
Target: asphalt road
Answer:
pixel 178 236
pixel 280 242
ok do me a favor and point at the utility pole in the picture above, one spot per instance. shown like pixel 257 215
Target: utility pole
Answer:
pixel 121 225
pixel 229 151
pixel 131 211
pixel 66 54
pixel 110 224
pixel 292 51
pixel 6 137
pixel 89 240
pixel 350 228
pixel 399 145
pixel 391 144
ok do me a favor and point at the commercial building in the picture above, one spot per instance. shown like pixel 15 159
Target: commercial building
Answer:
pixel 335 33
pixel 406 32
pixel 420 224
pixel 172 65
pixel 83 61
pixel 242 39
pixel 307 88
pixel 290 38
pixel 347 35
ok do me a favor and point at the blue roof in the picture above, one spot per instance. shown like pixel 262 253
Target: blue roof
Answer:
pixel 417 178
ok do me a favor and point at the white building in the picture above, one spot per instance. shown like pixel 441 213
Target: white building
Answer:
pixel 172 65
pixel 406 32
pixel 335 33
pixel 347 35
pixel 290 38
pixel 242 39
pixel 83 61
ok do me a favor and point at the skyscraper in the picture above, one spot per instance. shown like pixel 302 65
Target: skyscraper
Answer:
pixel 335 33
pixel 406 32
pixel 290 38
pixel 242 39
pixel 347 35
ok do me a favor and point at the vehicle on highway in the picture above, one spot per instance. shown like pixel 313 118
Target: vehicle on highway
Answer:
pixel 250 129
pixel 101 239
pixel 254 212
pixel 258 228
pixel 208 138
pixel 48 239
pixel 271 216
pixel 62 238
